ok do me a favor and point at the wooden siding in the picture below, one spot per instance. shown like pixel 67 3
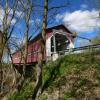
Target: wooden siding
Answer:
pixel 33 47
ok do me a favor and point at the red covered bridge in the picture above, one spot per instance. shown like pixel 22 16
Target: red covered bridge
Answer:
pixel 58 38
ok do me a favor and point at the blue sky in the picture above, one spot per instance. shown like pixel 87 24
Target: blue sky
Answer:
pixel 79 16
pixel 82 17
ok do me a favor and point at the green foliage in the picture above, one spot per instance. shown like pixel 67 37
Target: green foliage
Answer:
pixel 12 96
pixel 25 92
pixel 69 95
pixel 72 65
pixel 43 97
pixel 96 40
pixel 82 82
pixel 80 70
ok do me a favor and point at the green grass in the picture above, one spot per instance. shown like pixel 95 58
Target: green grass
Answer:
pixel 79 65
pixel 79 71
pixel 25 92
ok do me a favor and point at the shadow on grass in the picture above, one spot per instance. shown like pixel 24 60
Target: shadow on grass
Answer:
pixel 54 70
pixel 53 73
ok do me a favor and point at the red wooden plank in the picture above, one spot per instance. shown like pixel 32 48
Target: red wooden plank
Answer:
pixel 33 47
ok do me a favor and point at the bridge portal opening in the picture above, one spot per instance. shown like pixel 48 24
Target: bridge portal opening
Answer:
pixel 59 42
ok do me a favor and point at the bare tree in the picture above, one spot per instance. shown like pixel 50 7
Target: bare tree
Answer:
pixel 46 20
pixel 27 9
pixel 38 87
pixel 7 27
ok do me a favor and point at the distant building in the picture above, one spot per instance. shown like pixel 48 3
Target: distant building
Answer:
pixel 58 38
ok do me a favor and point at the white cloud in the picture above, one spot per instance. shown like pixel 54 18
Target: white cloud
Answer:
pixel 81 21
pixel 31 22
pixel 84 6
pixel 13 21
pixel 2 14
pixel 36 22
pixel 17 13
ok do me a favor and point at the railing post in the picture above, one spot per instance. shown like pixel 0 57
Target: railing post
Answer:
pixel 54 41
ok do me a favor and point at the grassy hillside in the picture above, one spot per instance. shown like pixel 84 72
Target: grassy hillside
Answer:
pixel 71 77
pixel 75 76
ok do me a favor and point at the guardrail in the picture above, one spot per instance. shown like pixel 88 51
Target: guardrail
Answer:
pixel 78 49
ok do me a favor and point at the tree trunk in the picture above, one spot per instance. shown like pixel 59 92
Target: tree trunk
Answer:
pixel 2 46
pixel 28 10
pixel 38 87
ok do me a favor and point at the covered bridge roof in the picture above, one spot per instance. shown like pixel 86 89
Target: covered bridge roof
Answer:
pixel 48 30
pixel 38 36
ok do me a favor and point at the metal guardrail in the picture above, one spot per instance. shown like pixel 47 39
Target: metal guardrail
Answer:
pixel 79 49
